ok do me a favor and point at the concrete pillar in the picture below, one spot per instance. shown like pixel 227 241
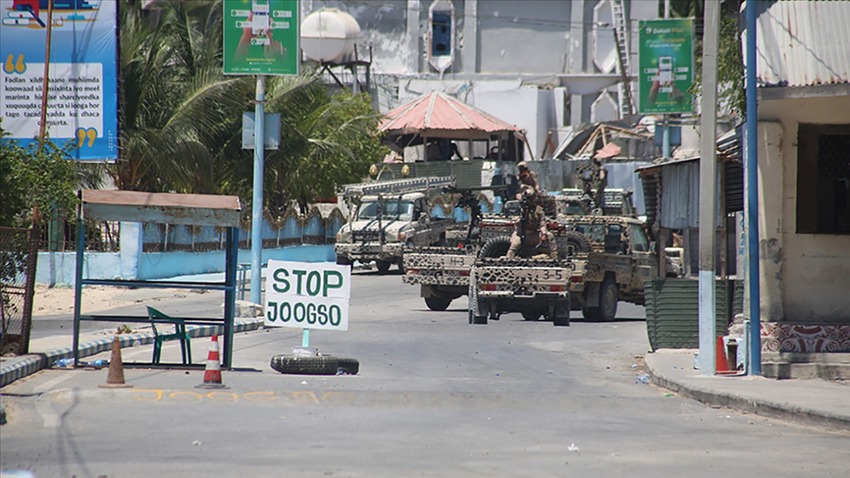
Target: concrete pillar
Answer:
pixel 770 214
pixel 130 249
pixel 414 36
pixel 469 53
pixel 577 61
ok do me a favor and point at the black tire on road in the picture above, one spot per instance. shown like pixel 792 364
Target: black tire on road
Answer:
pixel 437 304
pixel 305 365
pixel 348 366
pixel 383 266
pixel 608 298
pixel 531 315
pixel 495 247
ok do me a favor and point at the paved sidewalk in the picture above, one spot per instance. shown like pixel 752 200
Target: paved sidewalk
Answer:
pixel 815 402
pixel 52 349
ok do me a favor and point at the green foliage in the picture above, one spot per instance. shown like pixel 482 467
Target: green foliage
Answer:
pixel 176 106
pixel 730 64
pixel 327 144
pixel 181 118
pixel 30 178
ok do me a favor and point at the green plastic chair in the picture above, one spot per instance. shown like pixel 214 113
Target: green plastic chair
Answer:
pixel 179 334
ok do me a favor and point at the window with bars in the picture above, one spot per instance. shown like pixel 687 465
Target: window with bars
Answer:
pixel 823 179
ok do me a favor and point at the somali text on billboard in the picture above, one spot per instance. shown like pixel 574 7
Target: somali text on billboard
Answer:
pixel 83 94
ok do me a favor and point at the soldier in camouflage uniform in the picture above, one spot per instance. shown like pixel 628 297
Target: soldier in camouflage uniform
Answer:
pixel 536 234
pixel 527 177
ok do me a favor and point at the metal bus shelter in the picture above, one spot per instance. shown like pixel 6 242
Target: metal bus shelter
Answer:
pixel 162 208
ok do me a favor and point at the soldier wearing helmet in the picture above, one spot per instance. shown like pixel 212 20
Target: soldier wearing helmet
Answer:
pixel 527 177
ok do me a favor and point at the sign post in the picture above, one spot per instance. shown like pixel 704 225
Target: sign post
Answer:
pixel 307 296
pixel 260 37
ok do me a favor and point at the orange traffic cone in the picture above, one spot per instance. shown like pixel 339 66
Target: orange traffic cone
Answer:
pixel 212 373
pixel 722 364
pixel 115 376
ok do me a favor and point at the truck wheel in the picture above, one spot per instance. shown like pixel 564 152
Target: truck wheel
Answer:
pixel 577 243
pixel 478 311
pixel 590 313
pixel 343 261
pixel 475 319
pixel 383 266
pixel 608 299
pixel 438 304
pixel 560 313
pixel 496 247
pixel 531 315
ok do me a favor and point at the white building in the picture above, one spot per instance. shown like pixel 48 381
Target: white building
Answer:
pixel 542 65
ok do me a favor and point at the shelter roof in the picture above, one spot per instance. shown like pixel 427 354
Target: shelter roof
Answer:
pixel 164 208
pixel 437 115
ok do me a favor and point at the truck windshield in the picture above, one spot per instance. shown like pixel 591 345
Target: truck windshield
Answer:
pixel 390 209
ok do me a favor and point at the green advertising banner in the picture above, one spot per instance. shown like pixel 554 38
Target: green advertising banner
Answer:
pixel 261 37
pixel 666 62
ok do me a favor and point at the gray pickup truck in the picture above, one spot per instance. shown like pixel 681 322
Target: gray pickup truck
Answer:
pixel 387 216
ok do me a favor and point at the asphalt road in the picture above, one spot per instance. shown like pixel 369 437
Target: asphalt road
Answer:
pixel 434 397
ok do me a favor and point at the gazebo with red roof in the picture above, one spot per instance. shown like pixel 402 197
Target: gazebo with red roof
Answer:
pixel 437 116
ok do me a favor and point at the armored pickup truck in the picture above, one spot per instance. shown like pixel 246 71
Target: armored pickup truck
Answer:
pixel 531 282
pixel 614 267
pixel 386 216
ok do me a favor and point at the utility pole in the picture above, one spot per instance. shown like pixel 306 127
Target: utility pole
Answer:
pixel 257 201
pixel 707 191
pixel 42 131
pixel 754 334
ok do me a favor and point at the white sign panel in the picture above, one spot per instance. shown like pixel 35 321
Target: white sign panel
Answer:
pixel 307 295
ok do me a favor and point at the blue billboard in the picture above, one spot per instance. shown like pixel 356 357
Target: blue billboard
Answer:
pixel 82 101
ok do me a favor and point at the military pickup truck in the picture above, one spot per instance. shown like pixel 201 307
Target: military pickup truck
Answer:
pixel 614 267
pixel 443 272
pixel 386 216
pixel 531 283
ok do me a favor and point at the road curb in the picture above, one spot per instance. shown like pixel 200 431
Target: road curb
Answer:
pixel 35 362
pixel 749 404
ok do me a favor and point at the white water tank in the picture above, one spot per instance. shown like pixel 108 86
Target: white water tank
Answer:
pixel 328 35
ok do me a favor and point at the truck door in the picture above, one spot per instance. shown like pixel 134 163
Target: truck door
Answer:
pixel 644 257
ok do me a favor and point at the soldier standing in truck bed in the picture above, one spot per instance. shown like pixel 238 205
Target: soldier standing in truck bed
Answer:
pixel 527 177
pixel 531 230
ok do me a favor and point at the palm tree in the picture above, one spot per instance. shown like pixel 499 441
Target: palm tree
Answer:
pixel 330 142
pixel 176 104
pixel 180 116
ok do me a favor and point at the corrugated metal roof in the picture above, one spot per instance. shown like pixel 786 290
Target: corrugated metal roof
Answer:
pixel 803 43
pixel 437 115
